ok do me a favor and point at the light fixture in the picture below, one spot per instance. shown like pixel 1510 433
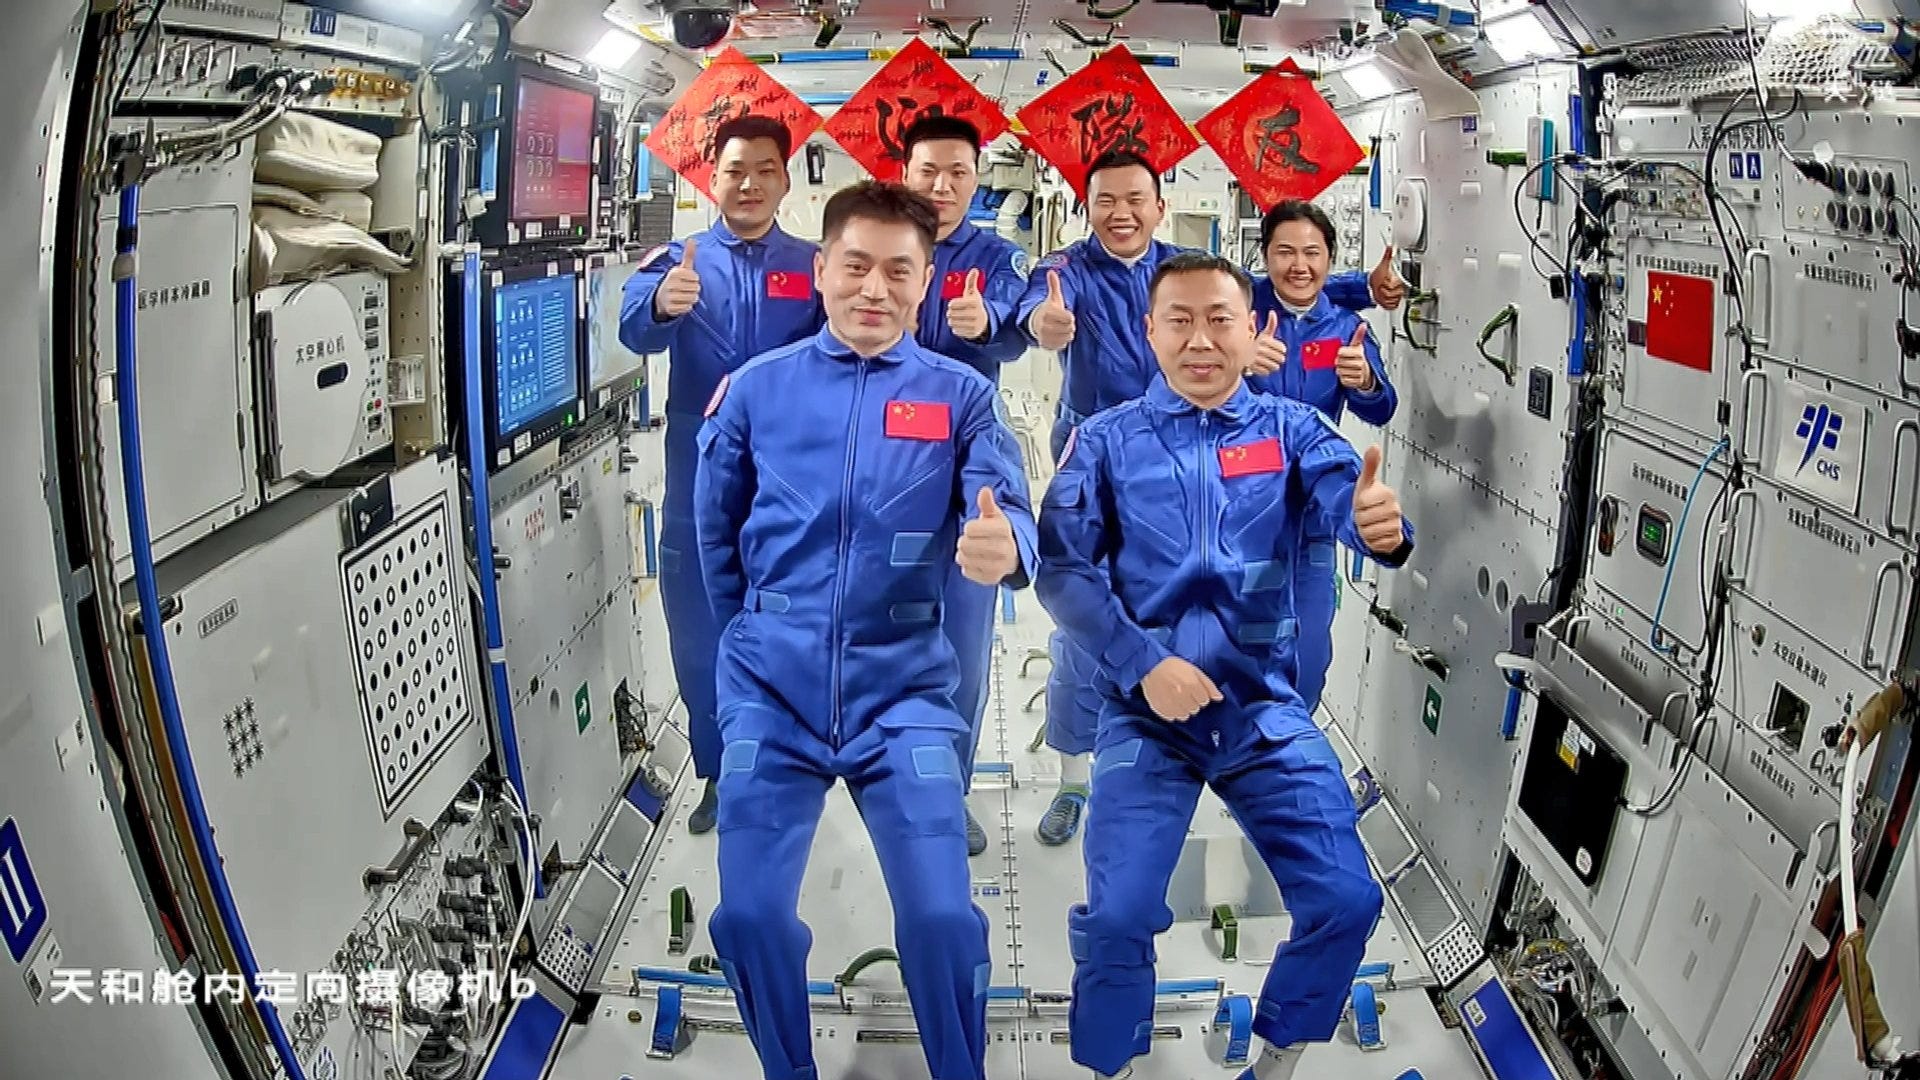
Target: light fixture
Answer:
pixel 1796 9
pixel 1522 37
pixel 1367 80
pixel 614 49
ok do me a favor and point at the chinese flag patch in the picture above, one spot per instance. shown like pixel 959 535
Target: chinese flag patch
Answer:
pixel 953 284
pixel 1280 138
pixel 731 87
pixel 1321 355
pixel 917 82
pixel 719 395
pixel 1681 316
pixel 789 285
pixel 1252 459
pixel 925 420
pixel 1109 105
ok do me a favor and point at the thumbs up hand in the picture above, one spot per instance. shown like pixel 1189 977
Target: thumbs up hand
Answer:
pixel 1351 364
pixel 1385 284
pixel 967 313
pixel 1052 323
pixel 1376 508
pixel 680 289
pixel 1269 352
pixel 986 552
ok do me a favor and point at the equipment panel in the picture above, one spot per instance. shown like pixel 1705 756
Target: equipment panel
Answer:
pixel 324 376
pixel 196 396
pixel 1836 308
pixel 340 726
pixel 1678 354
pixel 1655 532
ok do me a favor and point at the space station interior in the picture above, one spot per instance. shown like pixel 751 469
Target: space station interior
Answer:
pixel 341 734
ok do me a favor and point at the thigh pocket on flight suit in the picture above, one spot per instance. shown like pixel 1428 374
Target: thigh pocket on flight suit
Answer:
pixel 1124 754
pixel 1313 793
pixel 926 790
pixel 748 798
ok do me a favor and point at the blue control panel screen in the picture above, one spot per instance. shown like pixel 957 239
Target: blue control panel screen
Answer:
pixel 536 357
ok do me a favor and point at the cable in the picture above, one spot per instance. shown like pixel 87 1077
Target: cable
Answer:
pixel 1680 531
pixel 153 622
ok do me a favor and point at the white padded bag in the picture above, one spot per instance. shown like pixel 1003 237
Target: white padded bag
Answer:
pixel 313 154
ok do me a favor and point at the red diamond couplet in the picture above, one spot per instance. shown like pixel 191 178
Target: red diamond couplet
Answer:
pixel 1109 105
pixel 732 86
pixel 917 82
pixel 1280 138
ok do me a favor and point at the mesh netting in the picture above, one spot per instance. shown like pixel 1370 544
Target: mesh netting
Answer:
pixel 1827 57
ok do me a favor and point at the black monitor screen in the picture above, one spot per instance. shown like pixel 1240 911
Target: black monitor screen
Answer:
pixel 552 151
pixel 537 368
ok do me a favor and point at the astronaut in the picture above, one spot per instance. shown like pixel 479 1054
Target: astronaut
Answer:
pixel 1336 365
pixel 839 478
pixel 723 296
pixel 1166 543
pixel 978 278
pixel 1088 300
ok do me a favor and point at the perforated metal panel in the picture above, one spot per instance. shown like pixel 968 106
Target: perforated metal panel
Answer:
pixel 415 696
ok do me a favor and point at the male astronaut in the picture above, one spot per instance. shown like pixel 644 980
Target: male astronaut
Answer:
pixel 1166 543
pixel 839 478
pixel 1336 365
pixel 978 278
pixel 1089 303
pixel 715 301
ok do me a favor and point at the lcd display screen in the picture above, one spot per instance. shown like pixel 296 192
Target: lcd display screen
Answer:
pixel 537 367
pixel 552 151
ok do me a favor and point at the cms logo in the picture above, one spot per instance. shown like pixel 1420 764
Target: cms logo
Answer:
pixel 1819 430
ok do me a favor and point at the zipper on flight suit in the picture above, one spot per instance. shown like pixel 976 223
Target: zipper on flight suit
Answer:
pixel 840 574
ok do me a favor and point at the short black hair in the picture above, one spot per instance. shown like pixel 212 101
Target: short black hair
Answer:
pixel 875 200
pixel 938 126
pixel 1200 262
pixel 753 127
pixel 1122 159
pixel 1298 210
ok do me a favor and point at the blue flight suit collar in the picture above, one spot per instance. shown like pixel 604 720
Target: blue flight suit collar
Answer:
pixel 830 345
pixel 1162 398
pixel 1097 251
pixel 727 236
pixel 961 235
pixel 1265 295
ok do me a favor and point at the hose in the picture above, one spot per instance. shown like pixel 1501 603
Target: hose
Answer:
pixel 153 623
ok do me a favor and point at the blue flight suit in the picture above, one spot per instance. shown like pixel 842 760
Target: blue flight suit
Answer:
pixel 1171 531
pixel 969 605
pixel 755 295
pixel 831 493
pixel 1108 362
pixel 1310 376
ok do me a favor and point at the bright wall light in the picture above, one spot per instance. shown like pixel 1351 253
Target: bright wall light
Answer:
pixel 614 49
pixel 1797 9
pixel 1522 37
pixel 1367 80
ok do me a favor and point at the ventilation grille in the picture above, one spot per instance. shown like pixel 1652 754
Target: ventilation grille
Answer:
pixel 415 698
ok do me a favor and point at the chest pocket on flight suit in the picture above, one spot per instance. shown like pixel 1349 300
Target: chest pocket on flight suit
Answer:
pixel 1255 526
pixel 908 477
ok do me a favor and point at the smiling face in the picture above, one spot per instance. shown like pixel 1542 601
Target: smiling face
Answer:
pixel 749 180
pixel 947 172
pixel 1123 209
pixel 873 276
pixel 1201 329
pixel 1298 257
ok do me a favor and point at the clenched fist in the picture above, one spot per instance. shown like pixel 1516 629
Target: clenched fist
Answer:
pixel 1376 508
pixel 1052 323
pixel 1269 352
pixel 680 289
pixel 1176 690
pixel 967 313
pixel 986 552
pixel 1351 365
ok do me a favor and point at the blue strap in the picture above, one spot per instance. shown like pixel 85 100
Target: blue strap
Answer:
pixel 666 1024
pixel 1366 1017
pixel 1236 1016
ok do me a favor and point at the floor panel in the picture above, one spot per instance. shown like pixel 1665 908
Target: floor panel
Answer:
pixel 1025 888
